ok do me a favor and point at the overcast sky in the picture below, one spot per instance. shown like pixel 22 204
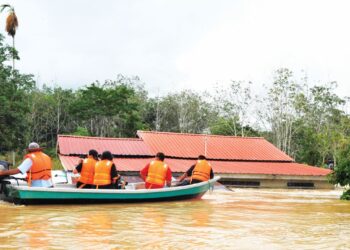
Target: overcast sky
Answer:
pixel 180 44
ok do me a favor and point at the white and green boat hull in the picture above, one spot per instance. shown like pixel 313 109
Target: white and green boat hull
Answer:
pixel 65 193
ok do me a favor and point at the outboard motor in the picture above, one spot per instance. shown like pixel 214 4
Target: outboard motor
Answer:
pixel 4 165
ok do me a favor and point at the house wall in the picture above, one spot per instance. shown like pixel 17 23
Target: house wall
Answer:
pixel 263 181
pixel 276 181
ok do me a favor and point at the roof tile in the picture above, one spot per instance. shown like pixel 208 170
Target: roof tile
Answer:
pixel 213 146
pixel 69 144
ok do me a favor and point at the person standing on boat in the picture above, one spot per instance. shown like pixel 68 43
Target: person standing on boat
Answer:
pixel 201 171
pixel 37 165
pixel 156 173
pixel 86 168
pixel 105 175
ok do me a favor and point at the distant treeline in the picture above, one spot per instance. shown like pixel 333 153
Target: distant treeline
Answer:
pixel 307 122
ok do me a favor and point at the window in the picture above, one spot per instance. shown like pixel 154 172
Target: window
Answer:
pixel 242 183
pixel 301 184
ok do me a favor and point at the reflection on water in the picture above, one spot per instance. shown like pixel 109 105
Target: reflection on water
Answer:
pixel 238 219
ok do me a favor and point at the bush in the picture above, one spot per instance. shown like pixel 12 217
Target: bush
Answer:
pixel 345 195
pixel 341 174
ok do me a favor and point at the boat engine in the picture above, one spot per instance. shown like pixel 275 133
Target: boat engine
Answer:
pixel 4 165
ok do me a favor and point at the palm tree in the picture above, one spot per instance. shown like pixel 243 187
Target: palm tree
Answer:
pixel 11 27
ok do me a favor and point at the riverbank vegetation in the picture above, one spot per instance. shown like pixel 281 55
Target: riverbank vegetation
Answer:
pixel 307 121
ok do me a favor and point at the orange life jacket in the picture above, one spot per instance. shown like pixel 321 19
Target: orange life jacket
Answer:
pixel 41 168
pixel 102 174
pixel 201 171
pixel 87 171
pixel 157 173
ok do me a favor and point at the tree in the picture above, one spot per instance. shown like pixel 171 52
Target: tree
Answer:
pixel 11 27
pixel 278 109
pixel 321 126
pixel 115 112
pixel 49 114
pixel 341 173
pixel 150 114
pixel 184 112
pixel 233 106
pixel 14 102
pixel 224 126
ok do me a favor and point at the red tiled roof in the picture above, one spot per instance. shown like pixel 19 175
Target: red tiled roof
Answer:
pixel 224 167
pixel 245 155
pixel 69 144
pixel 276 168
pixel 217 147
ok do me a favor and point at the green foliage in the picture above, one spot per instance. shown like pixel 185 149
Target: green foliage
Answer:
pixel 278 109
pixel 184 112
pixel 149 114
pixel 81 131
pixel 341 172
pixel 232 107
pixel 111 109
pixel 14 105
pixel 49 114
pixel 223 126
pixel 322 126
pixel 50 151
pixel 305 122
pixel 345 195
pixel 304 141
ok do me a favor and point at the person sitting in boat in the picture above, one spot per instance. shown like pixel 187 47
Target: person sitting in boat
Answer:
pixel 106 174
pixel 86 168
pixel 156 173
pixel 121 182
pixel 37 165
pixel 201 171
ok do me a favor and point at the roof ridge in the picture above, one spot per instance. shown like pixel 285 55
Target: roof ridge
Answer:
pixel 192 134
pixel 100 138
pixel 137 156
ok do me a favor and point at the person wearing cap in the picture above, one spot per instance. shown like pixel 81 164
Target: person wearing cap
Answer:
pixel 156 173
pixel 36 165
pixel 201 171
pixel 86 168
pixel 105 175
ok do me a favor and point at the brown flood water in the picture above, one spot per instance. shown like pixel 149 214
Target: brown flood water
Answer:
pixel 242 219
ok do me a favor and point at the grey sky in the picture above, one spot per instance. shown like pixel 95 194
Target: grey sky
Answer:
pixel 177 44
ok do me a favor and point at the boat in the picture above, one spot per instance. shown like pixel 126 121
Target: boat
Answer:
pixel 17 191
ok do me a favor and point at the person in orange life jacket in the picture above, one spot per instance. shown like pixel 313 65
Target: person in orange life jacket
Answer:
pixel 37 165
pixel 86 168
pixel 201 171
pixel 156 173
pixel 106 174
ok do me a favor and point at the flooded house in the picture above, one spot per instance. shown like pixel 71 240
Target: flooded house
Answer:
pixel 240 161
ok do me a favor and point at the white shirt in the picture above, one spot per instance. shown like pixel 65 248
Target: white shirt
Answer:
pixel 25 167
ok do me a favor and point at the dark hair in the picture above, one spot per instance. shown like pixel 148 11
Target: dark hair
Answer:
pixel 160 156
pixel 93 153
pixel 106 155
pixel 201 157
